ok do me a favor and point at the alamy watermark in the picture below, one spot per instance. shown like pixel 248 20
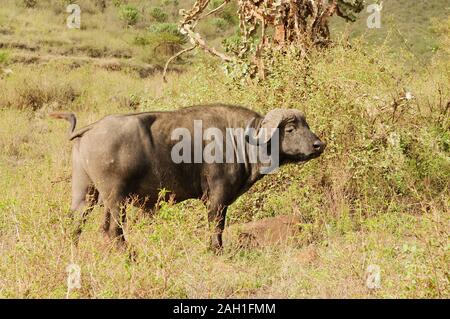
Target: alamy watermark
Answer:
pixel 239 145
pixel 374 19
pixel 74 19
pixel 373 280
pixel 73 278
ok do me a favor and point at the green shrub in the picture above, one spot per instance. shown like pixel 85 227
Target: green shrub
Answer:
pixel 159 46
pixel 30 3
pixel 232 44
pixel 129 14
pixel 158 14
pixel 227 13
pixel 220 23
pixel 119 3
pixel 163 33
pixel 166 27
pixel 161 41
pixel 140 40
pixel 174 3
pixel 4 57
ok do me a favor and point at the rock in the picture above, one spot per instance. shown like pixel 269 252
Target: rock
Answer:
pixel 270 231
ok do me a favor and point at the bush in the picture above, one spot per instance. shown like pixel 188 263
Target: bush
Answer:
pixel 30 3
pixel 118 3
pixel 173 3
pixel 161 38
pixel 161 41
pixel 129 14
pixel 34 95
pixel 161 45
pixel 220 23
pixel 159 33
pixel 101 4
pixel 4 57
pixel 170 28
pixel 24 92
pixel 140 40
pixel 158 14
pixel 227 13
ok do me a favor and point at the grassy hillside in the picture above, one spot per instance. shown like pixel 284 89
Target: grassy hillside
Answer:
pixel 379 195
pixel 405 24
pixel 140 35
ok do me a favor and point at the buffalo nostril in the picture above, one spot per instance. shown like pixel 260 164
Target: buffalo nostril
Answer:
pixel 318 145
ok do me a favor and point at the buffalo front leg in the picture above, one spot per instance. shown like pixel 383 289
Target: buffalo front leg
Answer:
pixel 216 219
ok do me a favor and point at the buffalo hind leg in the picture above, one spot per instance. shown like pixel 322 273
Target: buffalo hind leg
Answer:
pixel 84 197
pixel 84 209
pixel 115 220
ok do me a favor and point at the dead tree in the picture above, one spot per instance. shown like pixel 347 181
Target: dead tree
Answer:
pixel 298 23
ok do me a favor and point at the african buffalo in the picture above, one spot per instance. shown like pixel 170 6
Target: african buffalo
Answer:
pixel 132 155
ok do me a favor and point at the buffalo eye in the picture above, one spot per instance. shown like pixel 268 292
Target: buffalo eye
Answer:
pixel 289 128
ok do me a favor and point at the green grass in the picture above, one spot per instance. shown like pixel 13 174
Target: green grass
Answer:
pixel 379 195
